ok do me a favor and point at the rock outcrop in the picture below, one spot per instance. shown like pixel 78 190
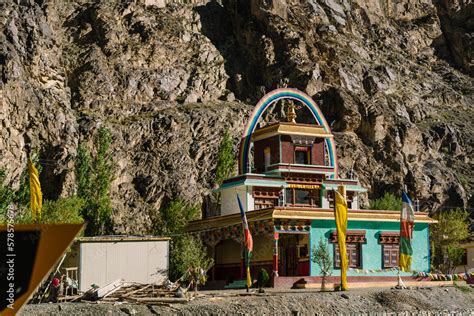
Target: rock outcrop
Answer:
pixel 393 79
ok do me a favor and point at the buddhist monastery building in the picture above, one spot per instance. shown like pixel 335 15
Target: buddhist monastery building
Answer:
pixel 287 173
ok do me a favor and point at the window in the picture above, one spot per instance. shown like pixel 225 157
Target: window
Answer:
pixel 353 255
pixel 299 197
pixel 302 155
pixel 349 198
pixel 289 196
pixel 265 197
pixel 390 255
pixel 302 196
pixel 389 241
pixel 354 241
pixel 266 152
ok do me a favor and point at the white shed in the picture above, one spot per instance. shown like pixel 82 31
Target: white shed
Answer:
pixel 104 259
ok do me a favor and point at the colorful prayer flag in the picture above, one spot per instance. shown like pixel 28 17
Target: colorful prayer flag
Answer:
pixel 340 209
pixel 36 197
pixel 248 241
pixel 247 237
pixel 407 222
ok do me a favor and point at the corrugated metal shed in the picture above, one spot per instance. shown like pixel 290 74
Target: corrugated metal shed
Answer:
pixel 139 259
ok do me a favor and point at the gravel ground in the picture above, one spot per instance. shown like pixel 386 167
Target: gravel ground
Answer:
pixel 422 301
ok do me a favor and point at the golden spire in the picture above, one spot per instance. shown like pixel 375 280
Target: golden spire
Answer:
pixel 290 113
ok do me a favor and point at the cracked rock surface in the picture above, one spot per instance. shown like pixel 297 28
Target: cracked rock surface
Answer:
pixel 394 81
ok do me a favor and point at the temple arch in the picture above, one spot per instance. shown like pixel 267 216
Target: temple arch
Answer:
pixel 264 103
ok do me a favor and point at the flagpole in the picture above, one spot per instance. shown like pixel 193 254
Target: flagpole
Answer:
pixel 247 269
pixel 248 243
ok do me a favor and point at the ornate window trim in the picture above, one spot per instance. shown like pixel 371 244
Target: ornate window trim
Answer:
pixel 390 238
pixel 352 236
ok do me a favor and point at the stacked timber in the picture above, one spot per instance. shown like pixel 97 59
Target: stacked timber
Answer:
pixel 119 291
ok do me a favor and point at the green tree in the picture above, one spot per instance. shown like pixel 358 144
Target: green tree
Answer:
pixel 322 257
pixel 189 260
pixel 175 215
pixel 452 227
pixel 388 202
pixel 94 175
pixel 188 256
pixel 225 159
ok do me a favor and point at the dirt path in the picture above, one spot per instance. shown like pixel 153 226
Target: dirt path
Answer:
pixel 443 300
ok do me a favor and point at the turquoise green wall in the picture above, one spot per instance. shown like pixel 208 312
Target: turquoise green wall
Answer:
pixel 372 250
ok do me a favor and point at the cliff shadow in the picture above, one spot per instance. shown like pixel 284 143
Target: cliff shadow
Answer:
pixel 217 25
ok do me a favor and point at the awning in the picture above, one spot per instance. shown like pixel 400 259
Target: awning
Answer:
pixel 349 187
pixel 255 183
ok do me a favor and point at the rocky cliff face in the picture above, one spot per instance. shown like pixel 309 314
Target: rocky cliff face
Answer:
pixel 393 78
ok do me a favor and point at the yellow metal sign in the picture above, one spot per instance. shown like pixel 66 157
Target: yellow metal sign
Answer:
pixel 303 186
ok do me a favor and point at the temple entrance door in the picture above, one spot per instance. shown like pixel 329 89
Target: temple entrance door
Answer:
pixel 288 263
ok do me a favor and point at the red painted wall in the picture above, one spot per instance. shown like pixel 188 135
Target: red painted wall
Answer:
pixel 259 155
pixel 317 152
pixel 287 149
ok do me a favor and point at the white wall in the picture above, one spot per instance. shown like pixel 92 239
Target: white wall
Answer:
pixel 229 204
pixel 132 261
pixel 355 202
pixel 250 199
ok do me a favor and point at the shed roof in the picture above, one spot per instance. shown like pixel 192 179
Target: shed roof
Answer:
pixel 123 238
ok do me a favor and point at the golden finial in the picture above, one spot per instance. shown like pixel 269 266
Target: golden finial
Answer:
pixel 290 113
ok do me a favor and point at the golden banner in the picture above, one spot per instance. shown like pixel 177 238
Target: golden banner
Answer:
pixel 303 186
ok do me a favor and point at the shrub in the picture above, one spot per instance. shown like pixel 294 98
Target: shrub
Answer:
pixel 263 279
pixel 189 260
pixel 388 202
pixel 322 257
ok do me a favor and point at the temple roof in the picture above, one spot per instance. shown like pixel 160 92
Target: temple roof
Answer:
pixel 285 128
pixel 301 213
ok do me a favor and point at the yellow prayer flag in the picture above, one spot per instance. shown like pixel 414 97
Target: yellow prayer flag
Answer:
pixel 340 209
pixel 36 198
pixel 249 278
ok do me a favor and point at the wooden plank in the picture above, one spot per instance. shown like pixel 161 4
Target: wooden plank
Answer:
pixel 108 289
pixel 138 290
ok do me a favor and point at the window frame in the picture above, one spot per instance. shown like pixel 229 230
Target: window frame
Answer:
pixel 391 249
pixel 314 196
pixel 307 150
pixel 357 247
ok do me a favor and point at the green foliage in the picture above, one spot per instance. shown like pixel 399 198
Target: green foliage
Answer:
pixel 175 216
pixel 225 159
pixel 188 257
pixel 94 174
pixel 322 257
pixel 263 278
pixel 7 195
pixel 445 236
pixel 463 288
pixel 189 260
pixel 63 210
pixel 83 170
pixel 388 202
